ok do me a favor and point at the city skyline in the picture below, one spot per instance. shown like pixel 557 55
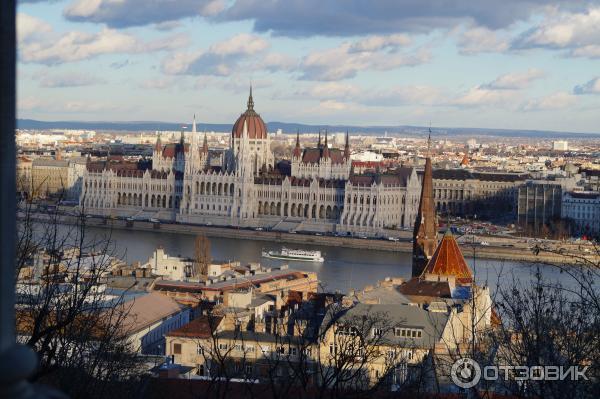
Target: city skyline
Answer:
pixel 518 65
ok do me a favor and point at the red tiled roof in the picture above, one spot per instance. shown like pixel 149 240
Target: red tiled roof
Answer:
pixel 170 150
pixel 257 129
pixel 424 288
pixel 313 155
pixel 448 260
pixel 201 327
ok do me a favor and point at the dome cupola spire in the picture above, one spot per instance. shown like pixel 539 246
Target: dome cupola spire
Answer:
pixel 250 100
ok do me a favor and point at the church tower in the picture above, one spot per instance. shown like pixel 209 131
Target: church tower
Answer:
pixel 425 235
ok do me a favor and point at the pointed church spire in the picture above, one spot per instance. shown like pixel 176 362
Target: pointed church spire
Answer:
pixel 429 141
pixel 158 145
pixel 250 100
pixel 205 144
pixel 347 146
pixel 425 230
pixel 325 147
pixel 297 150
pixel 319 145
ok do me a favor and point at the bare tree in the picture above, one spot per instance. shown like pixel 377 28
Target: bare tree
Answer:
pixel 63 312
pixel 201 255
pixel 547 325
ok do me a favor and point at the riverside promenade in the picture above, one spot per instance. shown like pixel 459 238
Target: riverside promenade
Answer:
pixel 516 251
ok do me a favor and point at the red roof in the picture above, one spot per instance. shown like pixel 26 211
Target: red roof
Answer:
pixel 170 150
pixel 448 260
pixel 201 327
pixel 255 125
pixel 313 155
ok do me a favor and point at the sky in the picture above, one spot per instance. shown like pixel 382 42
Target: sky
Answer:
pixel 511 64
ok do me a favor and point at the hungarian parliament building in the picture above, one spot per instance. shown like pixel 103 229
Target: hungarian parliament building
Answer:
pixel 315 190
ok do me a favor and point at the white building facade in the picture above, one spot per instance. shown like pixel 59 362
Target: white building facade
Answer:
pixel 314 191
pixel 582 209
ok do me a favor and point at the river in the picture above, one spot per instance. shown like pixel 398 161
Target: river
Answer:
pixel 344 269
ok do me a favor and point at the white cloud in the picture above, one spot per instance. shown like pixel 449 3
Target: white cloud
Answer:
pixel 558 100
pixel 376 43
pixel 159 83
pixel 334 105
pixel 29 27
pixel 278 62
pixel 242 44
pixel 579 33
pixel 590 87
pixel 345 61
pixel 53 48
pixel 404 95
pixel 126 13
pixel 590 51
pixel 482 97
pixel 333 90
pixel 481 40
pixel 72 79
pixel 220 59
pixel 514 81
pixel 67 106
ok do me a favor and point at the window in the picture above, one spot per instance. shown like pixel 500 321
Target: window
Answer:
pixel 377 332
pixel 293 351
pixel 200 349
pixel 248 369
pixel 177 349
pixel 408 332
pixel 281 350
pixel 250 348
pixel 222 346
pixel 238 347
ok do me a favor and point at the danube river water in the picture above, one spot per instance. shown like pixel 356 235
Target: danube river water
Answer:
pixel 344 269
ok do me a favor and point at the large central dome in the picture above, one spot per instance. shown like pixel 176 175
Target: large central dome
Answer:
pixel 256 126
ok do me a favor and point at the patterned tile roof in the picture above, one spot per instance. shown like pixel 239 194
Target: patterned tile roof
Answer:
pixel 448 260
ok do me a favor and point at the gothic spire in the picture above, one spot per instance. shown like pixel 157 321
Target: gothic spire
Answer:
pixel 250 100
pixel 319 145
pixel 429 141
pixel 425 230
pixel 297 150
pixel 347 146
pixel 158 145
pixel 325 147
pixel 205 144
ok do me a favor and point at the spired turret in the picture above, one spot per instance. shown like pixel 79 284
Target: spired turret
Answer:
pixel 297 149
pixel 425 235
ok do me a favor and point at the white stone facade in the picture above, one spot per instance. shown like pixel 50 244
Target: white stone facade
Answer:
pixel 316 191
pixel 582 208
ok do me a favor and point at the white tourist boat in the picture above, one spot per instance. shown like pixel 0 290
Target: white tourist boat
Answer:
pixel 294 254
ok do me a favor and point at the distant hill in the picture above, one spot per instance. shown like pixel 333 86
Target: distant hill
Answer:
pixel 293 127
